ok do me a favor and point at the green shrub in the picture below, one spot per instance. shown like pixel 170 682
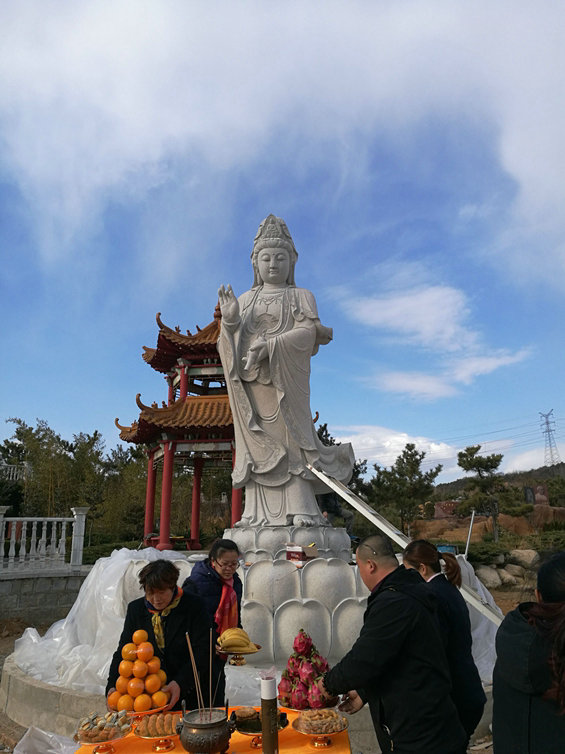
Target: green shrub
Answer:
pixel 92 554
pixel 484 552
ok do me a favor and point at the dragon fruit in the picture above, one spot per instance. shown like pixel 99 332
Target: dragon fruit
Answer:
pixel 316 697
pixel 299 696
pixel 307 671
pixel 293 665
pixel 319 663
pixel 302 643
pixel 285 685
pixel 301 685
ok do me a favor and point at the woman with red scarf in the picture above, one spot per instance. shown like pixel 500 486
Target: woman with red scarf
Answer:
pixel 218 585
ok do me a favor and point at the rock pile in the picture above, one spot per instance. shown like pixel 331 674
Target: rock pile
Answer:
pixel 517 570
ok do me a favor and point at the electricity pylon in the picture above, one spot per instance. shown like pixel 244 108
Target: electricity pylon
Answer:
pixel 551 452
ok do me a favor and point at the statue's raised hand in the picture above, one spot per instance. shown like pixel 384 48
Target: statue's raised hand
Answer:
pixel 228 305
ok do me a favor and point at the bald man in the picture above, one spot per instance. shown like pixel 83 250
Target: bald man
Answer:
pixel 398 664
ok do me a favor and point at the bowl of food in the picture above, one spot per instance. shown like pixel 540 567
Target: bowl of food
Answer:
pixel 319 724
pixel 100 731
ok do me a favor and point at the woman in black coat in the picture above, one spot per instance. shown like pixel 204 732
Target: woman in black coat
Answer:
pixel 216 582
pixel 529 675
pixel 467 693
pixel 167 614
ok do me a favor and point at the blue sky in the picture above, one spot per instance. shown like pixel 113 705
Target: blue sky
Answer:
pixel 415 150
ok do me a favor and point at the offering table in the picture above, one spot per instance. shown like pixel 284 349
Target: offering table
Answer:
pixel 290 740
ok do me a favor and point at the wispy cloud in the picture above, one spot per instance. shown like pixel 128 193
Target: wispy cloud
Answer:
pixel 430 317
pixel 383 445
pixel 98 99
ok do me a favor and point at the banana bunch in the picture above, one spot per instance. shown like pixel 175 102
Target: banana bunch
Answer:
pixel 234 640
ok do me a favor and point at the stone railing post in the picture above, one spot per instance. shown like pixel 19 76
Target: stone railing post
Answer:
pixel 79 526
pixel 3 509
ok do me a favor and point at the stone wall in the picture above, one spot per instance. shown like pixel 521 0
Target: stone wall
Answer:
pixel 40 598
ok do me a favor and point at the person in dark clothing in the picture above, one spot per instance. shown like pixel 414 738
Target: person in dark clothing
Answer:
pixel 398 664
pixel 167 614
pixel 216 582
pixel 529 675
pixel 455 624
pixel 331 509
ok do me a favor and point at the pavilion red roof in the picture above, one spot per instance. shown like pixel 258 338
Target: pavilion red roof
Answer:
pixel 173 345
pixel 194 414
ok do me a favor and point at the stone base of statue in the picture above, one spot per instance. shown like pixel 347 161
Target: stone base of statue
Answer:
pixel 269 542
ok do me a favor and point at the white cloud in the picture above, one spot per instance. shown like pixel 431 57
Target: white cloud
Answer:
pixel 467 369
pixel 418 386
pixel 431 317
pixel 96 99
pixel 383 445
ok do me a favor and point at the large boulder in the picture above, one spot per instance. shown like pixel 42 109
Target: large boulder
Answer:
pixel 488 576
pixel 517 571
pixel 528 559
pixel 506 578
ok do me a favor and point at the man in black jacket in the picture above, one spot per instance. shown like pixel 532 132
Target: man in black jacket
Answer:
pixel 398 663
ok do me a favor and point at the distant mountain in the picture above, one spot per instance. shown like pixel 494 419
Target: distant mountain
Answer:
pixel 450 490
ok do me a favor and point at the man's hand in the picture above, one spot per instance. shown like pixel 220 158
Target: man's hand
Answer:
pixel 351 703
pixel 174 689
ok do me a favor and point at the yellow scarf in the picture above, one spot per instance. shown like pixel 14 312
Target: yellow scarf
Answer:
pixel 156 616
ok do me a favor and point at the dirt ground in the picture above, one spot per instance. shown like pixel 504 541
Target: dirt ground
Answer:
pixel 10 630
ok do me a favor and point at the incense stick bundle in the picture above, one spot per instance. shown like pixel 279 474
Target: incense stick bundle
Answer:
pixel 199 696
pixel 210 687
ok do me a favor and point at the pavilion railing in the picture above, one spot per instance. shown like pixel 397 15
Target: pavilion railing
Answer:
pixel 39 543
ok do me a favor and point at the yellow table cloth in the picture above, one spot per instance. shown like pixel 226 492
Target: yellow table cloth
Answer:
pixel 289 741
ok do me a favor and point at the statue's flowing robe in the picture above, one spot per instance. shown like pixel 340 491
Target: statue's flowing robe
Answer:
pixel 274 433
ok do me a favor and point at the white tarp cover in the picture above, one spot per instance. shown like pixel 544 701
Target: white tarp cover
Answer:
pixel 37 741
pixel 76 652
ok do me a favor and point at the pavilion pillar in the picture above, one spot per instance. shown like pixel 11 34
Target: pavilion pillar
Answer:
pixel 183 381
pixel 150 497
pixel 195 517
pixel 236 498
pixel 171 396
pixel 166 494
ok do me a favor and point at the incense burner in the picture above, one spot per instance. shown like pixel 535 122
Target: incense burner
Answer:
pixel 205 731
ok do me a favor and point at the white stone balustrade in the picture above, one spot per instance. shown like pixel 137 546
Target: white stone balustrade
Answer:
pixel 39 543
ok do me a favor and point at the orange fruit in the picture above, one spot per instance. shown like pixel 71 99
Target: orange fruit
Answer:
pixel 125 668
pixel 135 687
pixel 152 683
pixel 142 703
pixel 125 702
pixel 163 676
pixel 153 665
pixel 122 684
pixel 139 669
pixel 139 636
pixel 113 699
pixel 129 652
pixel 159 698
pixel 145 651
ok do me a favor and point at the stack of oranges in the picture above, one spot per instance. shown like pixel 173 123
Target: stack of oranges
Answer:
pixel 139 685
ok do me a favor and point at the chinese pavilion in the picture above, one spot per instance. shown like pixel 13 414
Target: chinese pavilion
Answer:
pixel 193 427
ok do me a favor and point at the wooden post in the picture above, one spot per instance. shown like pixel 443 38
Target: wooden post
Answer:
pixel 166 490
pixel 195 517
pixel 183 390
pixel 150 497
